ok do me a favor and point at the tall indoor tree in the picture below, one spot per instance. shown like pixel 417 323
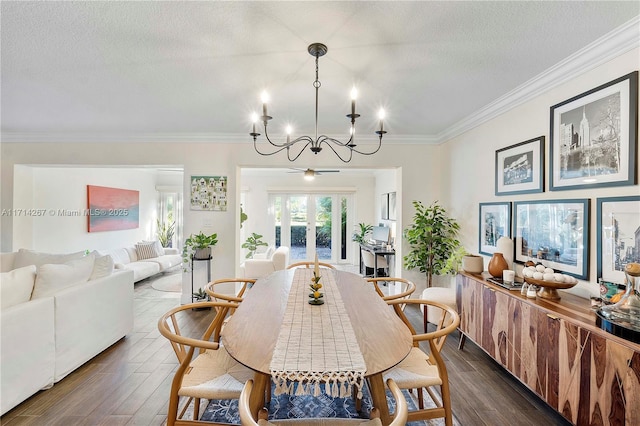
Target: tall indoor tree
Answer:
pixel 433 239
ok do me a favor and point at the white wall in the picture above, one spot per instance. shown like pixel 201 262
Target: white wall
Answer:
pixel 471 158
pixel 56 189
pixel 421 178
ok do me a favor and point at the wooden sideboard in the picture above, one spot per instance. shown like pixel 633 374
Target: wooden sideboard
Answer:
pixel 589 376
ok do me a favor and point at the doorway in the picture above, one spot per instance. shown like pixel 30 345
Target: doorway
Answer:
pixel 312 223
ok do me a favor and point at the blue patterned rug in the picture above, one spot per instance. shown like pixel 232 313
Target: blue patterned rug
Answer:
pixel 294 407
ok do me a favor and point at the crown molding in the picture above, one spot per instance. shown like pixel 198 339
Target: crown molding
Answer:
pixel 103 137
pixel 610 46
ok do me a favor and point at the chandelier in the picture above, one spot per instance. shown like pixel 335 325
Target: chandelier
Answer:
pixel 295 147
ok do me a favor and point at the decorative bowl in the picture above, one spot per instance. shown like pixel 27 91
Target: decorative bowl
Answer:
pixel 549 289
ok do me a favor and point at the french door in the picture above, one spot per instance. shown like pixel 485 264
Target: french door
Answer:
pixel 312 223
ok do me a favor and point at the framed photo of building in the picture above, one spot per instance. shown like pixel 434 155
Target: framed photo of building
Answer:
pixel 593 137
pixel 618 239
pixel 555 233
pixel 520 168
pixel 495 222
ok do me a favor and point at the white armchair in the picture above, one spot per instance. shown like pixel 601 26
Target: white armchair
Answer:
pixel 258 268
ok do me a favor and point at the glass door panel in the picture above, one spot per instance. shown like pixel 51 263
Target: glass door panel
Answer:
pixel 323 227
pixel 298 226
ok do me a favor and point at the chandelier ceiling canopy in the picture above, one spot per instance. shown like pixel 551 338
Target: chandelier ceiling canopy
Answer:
pixel 343 150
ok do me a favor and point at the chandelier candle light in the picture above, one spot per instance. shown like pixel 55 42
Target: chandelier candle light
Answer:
pixel 315 297
pixel 315 143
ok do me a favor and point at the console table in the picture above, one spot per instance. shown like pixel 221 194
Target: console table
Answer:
pixel 555 349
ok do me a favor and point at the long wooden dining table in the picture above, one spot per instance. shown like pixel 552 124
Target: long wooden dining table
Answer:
pixel 254 333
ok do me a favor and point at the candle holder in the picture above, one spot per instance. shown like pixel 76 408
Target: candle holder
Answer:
pixel 316 296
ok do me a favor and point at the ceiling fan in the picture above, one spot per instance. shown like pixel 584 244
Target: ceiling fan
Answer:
pixel 310 174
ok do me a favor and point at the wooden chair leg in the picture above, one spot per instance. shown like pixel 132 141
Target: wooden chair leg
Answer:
pixel 196 408
pixel 463 338
pixel 420 399
pixel 446 404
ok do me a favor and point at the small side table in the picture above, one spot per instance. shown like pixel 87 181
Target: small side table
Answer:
pixel 193 260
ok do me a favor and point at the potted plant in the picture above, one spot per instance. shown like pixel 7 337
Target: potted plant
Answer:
pixel 455 260
pixel 199 246
pixel 433 239
pixel 253 242
pixel 361 235
pixel 166 230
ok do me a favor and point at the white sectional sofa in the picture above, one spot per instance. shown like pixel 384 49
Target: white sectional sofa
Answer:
pixel 135 259
pixel 57 312
pixel 272 260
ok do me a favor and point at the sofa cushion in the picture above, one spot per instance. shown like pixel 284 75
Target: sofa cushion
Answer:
pixel 51 278
pixel 142 269
pixel 16 286
pixel 29 257
pixel 102 267
pixel 147 250
pixel 167 261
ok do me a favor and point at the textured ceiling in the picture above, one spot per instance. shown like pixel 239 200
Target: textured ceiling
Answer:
pixel 196 69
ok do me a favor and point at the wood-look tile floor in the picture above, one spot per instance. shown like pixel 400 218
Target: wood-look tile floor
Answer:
pixel 128 384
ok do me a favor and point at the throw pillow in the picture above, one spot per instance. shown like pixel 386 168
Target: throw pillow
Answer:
pixel 147 250
pixel 16 286
pixel 102 267
pixel 29 257
pixel 52 278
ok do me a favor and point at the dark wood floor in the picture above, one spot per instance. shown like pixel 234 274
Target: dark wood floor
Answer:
pixel 129 382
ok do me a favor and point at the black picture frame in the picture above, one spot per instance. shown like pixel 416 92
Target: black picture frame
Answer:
pixel 384 206
pixel 555 233
pixel 392 206
pixel 618 235
pixel 494 221
pixel 519 168
pixel 594 137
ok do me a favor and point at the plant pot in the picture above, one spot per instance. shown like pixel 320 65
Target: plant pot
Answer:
pixel 202 253
pixel 472 264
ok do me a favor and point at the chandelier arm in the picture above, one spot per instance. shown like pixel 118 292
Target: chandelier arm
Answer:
pixel 330 141
pixel 372 152
pixel 326 139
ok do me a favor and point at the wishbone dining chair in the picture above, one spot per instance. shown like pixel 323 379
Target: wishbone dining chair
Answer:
pixel 420 370
pixel 247 419
pixel 241 285
pixel 402 288
pixel 310 264
pixel 205 370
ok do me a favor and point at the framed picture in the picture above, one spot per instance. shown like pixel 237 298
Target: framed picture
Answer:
pixel 209 193
pixel 555 233
pixel 618 239
pixel 392 206
pixel 112 209
pixel 495 222
pixel 594 137
pixel 520 168
pixel 384 206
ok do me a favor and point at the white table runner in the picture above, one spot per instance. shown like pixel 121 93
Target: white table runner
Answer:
pixel 317 344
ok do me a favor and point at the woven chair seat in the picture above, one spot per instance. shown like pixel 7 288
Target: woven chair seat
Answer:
pixel 215 375
pixel 414 371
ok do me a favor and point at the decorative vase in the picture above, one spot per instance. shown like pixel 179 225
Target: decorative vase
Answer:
pixel 504 245
pixel 497 264
pixel 472 264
